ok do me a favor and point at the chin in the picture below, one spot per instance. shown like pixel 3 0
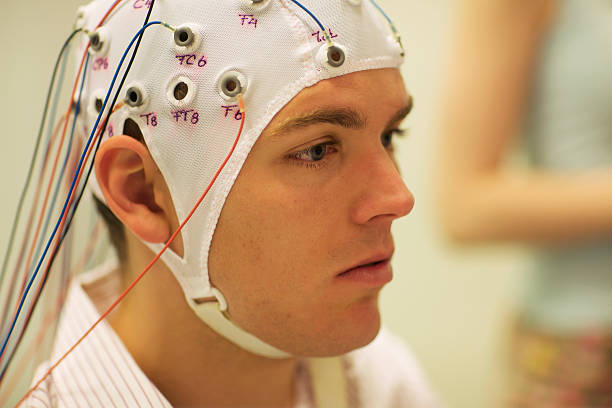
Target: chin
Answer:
pixel 365 322
pixel 357 327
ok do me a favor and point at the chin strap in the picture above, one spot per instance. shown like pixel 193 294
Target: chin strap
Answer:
pixel 213 313
pixel 327 374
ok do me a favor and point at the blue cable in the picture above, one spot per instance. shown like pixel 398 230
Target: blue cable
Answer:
pixel 56 82
pixel 311 15
pixel 382 12
pixel 64 164
pixel 59 181
pixel 43 121
pixel 62 171
pixel 72 186
pixel 393 28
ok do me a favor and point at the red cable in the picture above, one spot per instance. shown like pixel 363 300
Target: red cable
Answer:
pixel 54 314
pixel 31 217
pixel 64 217
pixel 150 265
pixel 63 220
pixel 43 209
pixel 103 19
pixel 67 117
pixel 50 185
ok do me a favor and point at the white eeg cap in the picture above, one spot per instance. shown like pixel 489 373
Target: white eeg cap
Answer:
pixel 271 48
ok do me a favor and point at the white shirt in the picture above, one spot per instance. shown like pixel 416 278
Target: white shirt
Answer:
pixel 100 372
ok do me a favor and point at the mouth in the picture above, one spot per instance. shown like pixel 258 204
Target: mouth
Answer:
pixel 375 271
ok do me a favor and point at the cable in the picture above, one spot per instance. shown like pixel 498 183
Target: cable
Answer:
pixel 50 139
pixel 17 217
pixel 157 257
pixel 113 6
pixel 42 211
pixel 54 314
pixel 311 14
pixel 33 207
pixel 22 292
pixel 64 233
pixel 66 229
pixel 72 186
pixel 34 154
pixel 382 12
pixel 396 33
pixel 105 124
pixel 58 185
pixel 72 210
pixel 65 163
pixel 48 190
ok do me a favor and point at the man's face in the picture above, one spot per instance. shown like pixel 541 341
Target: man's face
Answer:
pixel 315 198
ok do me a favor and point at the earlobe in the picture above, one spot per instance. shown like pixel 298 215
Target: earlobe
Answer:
pixel 131 184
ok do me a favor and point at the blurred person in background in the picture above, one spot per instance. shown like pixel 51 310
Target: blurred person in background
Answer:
pixel 538 74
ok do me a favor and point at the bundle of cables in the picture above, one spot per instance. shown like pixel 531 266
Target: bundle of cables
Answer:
pixel 25 273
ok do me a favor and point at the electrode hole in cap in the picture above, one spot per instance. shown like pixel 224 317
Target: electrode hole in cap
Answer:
pixel 335 56
pixel 231 85
pixel 134 97
pixel 183 36
pixel 180 91
pixel 95 102
pixel 96 41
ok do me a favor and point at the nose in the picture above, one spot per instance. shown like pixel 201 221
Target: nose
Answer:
pixel 383 194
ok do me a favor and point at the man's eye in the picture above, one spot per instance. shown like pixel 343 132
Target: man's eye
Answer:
pixel 314 153
pixel 387 138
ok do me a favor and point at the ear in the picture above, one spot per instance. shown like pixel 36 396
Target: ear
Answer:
pixel 134 188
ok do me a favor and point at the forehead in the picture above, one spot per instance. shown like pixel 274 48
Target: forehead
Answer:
pixel 371 93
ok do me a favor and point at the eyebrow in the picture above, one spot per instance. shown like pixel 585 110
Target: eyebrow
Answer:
pixel 343 117
pixel 402 113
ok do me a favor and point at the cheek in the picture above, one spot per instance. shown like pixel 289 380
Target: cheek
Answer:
pixel 272 229
pixel 276 252
pixel 276 241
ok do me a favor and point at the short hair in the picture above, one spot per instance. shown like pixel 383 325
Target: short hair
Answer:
pixel 115 227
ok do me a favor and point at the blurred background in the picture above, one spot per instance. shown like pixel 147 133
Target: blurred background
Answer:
pixel 454 307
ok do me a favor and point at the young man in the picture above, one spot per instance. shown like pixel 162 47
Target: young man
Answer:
pixel 269 295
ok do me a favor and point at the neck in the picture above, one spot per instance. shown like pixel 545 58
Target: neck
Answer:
pixel 187 361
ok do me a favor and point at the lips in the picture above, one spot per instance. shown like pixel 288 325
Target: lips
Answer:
pixel 373 271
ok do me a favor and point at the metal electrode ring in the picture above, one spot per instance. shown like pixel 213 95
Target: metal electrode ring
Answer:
pixel 335 56
pixel 134 97
pixel 232 84
pixel 184 36
pixel 98 41
pixel 96 102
